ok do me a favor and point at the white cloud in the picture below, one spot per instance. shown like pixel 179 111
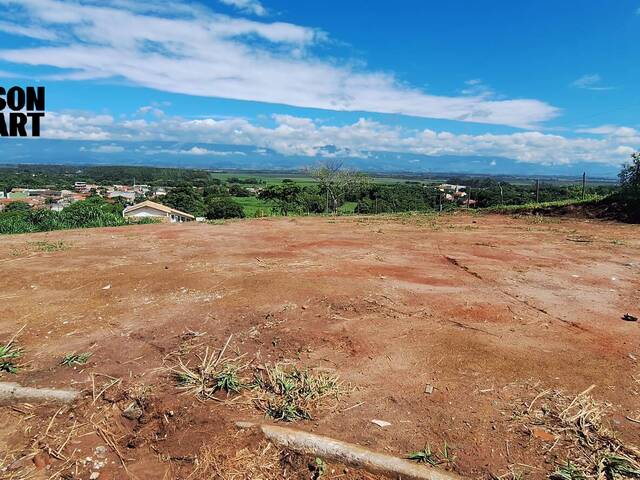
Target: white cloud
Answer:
pixel 5 74
pixel 76 126
pixel 613 130
pixel 591 81
pixel 31 32
pixel 248 6
pixel 150 109
pixel 291 135
pixel 107 149
pixel 477 88
pixel 199 151
pixel 615 133
pixel 199 52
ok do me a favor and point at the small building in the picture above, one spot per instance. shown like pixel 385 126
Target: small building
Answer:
pixel 156 210
pixel 128 196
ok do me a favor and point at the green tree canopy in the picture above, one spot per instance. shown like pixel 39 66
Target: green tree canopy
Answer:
pixel 223 207
pixel 630 175
pixel 185 198
pixel 286 197
pixel 17 207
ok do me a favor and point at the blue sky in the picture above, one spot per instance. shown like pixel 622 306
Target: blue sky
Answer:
pixel 545 85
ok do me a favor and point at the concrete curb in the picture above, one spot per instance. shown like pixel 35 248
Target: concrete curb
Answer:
pixel 12 393
pixel 350 454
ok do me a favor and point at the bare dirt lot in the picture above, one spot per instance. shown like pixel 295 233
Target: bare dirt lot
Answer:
pixel 477 331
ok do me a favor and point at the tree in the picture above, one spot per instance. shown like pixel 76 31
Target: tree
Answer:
pixel 311 201
pixel 17 207
pixel 185 198
pixel 630 176
pixel 223 207
pixel 238 191
pixel 335 181
pixel 286 197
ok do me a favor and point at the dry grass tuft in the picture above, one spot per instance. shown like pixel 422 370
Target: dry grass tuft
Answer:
pixel 285 393
pixel 212 373
pixel 593 449
pixel 263 463
pixel 282 391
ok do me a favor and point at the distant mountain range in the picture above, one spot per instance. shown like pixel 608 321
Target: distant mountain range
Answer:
pixel 171 154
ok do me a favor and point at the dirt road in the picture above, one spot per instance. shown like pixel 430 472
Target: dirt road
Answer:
pixel 445 327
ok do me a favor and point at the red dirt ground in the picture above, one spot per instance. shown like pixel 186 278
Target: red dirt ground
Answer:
pixel 487 310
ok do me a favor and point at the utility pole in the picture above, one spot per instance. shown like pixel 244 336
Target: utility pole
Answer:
pixel 537 190
pixel 584 184
pixel 501 195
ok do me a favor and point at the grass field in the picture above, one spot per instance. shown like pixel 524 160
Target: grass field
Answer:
pixel 254 207
pixel 303 179
pixel 528 207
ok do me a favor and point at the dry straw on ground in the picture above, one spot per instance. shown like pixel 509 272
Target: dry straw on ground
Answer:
pixel 578 423
pixel 282 391
pixel 261 463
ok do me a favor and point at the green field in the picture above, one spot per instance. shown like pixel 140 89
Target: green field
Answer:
pixel 254 207
pixel 303 180
pixel 530 207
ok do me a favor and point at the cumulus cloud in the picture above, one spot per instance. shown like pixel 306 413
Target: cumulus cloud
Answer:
pixel 591 81
pixel 247 6
pixel 613 131
pixel 68 126
pixel 290 135
pixel 193 50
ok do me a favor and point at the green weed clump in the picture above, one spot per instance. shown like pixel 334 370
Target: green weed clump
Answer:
pixel 282 392
pixel 72 359
pixel 427 456
pixel 45 246
pixel 424 456
pixel 567 471
pixel 10 353
pixel 289 394
pixel 211 375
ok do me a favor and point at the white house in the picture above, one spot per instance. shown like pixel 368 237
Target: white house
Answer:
pixel 157 210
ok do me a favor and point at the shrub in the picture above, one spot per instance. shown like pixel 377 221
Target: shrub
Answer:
pixel 93 212
pixel 223 207
pixel 17 207
pixel 630 178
